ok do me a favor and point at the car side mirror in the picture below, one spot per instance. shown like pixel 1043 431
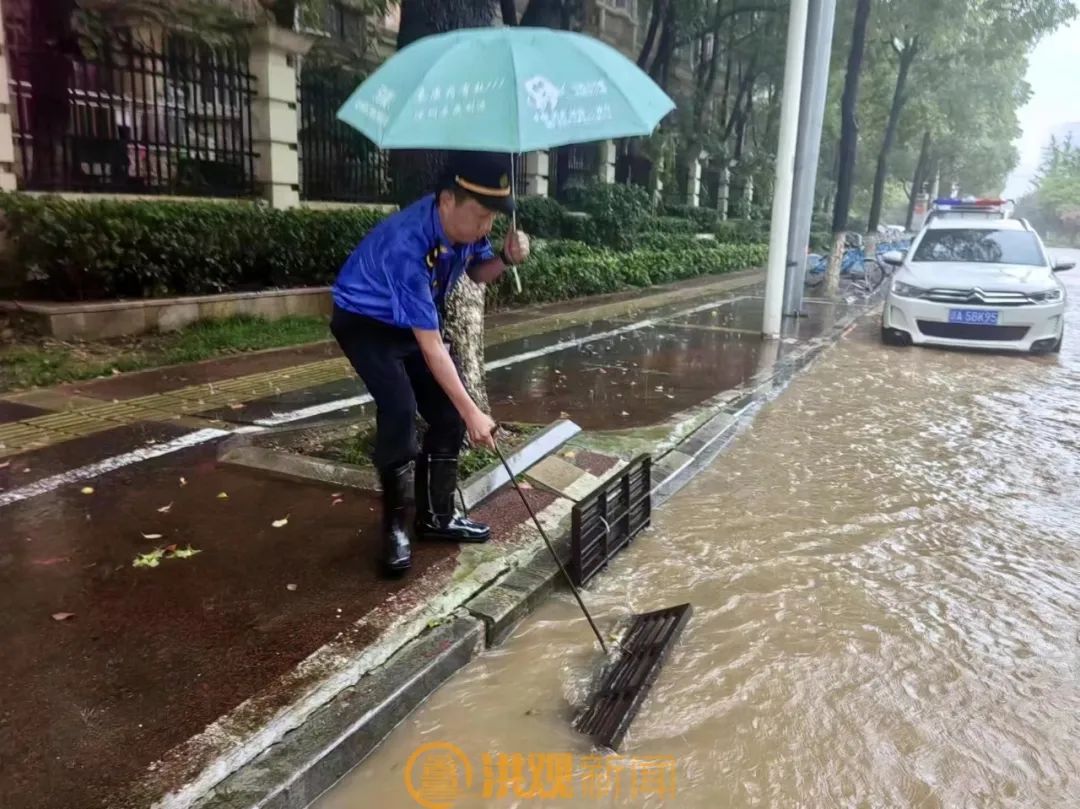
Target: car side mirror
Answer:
pixel 1062 266
pixel 894 257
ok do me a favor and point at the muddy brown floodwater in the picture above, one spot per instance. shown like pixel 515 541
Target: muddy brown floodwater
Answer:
pixel 885 570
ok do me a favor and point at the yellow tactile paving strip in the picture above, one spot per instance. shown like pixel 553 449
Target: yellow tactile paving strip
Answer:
pixel 83 420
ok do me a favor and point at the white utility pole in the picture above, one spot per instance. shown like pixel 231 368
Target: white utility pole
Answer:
pixel 819 31
pixel 785 170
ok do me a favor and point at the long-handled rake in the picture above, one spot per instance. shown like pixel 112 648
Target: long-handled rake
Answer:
pixel 626 679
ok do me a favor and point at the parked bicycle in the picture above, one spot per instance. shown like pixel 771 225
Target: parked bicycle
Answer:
pixel 864 272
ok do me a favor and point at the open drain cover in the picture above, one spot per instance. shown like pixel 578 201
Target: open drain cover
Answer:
pixel 627 682
pixel 607 519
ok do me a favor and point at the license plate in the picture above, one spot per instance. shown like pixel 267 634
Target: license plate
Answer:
pixel 977 317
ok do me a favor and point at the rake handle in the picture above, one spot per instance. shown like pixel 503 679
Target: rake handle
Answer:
pixel 550 547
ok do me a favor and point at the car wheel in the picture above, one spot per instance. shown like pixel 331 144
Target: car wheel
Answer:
pixel 894 337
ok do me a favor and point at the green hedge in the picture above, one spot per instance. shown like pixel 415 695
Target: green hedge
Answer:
pixel 659 240
pixel 617 211
pixel 704 219
pixel 565 270
pixel 742 231
pixel 672 224
pixel 80 250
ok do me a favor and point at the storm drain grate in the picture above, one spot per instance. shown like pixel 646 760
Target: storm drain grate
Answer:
pixel 604 522
pixel 626 684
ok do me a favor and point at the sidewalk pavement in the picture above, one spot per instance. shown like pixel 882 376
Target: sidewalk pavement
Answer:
pixel 129 684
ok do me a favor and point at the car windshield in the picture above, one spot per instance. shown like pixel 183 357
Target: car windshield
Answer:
pixel 979 246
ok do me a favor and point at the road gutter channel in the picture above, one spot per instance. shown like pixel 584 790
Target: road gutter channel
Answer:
pixel 296 769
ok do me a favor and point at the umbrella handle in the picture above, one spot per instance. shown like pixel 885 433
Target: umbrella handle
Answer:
pixel 513 268
pixel 513 225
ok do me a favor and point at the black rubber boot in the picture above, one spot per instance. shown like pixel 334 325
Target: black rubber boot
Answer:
pixel 397 555
pixel 436 485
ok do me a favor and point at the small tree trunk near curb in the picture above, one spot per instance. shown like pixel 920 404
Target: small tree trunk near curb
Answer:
pixel 465 331
pixel 832 272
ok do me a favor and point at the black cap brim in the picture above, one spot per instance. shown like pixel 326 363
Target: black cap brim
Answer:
pixel 498 204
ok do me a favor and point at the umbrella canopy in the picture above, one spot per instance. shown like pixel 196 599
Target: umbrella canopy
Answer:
pixel 504 90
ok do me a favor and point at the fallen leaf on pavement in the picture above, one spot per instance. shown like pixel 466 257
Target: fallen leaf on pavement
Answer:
pixel 5 464
pixel 564 415
pixel 152 559
pixel 291 587
pixel 151 536
pixel 54 560
pixel 223 496
pixel 165 509
pixel 337 501
pixel 280 523
pixel 236 406
pixel 62 616
pixel 170 549
pixel 185 553
pixel 336 494
pixel 87 490
pixel 115 372
pixel 624 413
pixel 183 481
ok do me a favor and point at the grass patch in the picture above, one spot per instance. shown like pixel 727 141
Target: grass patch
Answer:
pixel 35 361
pixel 356 449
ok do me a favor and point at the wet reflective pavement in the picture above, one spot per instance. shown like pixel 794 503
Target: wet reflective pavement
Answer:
pixel 885 570
pixel 151 656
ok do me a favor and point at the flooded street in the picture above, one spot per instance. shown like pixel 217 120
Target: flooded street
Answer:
pixel 885 572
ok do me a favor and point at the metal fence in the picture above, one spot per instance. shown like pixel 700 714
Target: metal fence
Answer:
pixel 574 166
pixel 337 163
pixel 133 114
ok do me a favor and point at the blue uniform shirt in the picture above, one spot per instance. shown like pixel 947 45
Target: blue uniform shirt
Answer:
pixel 402 271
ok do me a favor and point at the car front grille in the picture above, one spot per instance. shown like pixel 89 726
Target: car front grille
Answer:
pixel 977 297
pixel 971 331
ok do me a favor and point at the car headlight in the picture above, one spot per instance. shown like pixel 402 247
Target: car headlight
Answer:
pixel 1049 296
pixel 907 290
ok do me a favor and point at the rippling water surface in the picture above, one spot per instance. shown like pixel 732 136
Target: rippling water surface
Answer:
pixel 885 571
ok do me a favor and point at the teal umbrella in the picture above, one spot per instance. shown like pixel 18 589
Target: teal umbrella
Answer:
pixel 504 90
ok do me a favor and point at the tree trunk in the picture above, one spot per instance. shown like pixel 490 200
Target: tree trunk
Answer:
pixel 659 11
pixel 415 173
pixel 660 68
pixel 849 126
pixel 907 56
pixel 50 76
pixel 918 180
pixel 509 12
pixel 550 14
pixel 465 331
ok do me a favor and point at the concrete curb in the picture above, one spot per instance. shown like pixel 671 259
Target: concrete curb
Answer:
pixel 243 451
pixel 296 770
pixel 310 759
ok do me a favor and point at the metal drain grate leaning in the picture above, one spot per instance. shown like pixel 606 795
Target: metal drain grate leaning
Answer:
pixel 604 522
pixel 627 682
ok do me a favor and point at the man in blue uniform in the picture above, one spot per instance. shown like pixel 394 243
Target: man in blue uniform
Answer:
pixel 389 307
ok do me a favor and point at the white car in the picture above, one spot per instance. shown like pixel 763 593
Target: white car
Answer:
pixel 976 283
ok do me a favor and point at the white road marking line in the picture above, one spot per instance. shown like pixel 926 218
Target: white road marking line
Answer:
pixel 109 465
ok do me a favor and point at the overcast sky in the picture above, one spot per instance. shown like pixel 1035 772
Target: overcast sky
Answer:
pixel 1052 74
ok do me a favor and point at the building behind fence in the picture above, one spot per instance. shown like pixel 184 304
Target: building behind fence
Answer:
pixel 140 110
pixel 131 112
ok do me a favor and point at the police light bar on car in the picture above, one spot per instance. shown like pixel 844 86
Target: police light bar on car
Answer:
pixel 952 204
